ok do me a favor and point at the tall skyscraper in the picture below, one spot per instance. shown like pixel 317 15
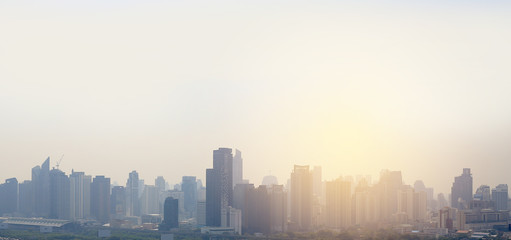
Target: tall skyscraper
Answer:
pixel 237 169
pixel 26 198
pixel 500 197
pixel 219 186
pixel 301 198
pixel 317 181
pixel 483 193
pixel 132 192
pixel 9 197
pixel 100 199
pixel 59 195
pixel 159 182
pixel 80 195
pixel 338 203
pixel 41 184
pixel 171 214
pixel 149 201
pixel 461 191
pixel 189 188
pixel 118 202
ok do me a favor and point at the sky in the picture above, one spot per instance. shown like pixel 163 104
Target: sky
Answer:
pixel 423 87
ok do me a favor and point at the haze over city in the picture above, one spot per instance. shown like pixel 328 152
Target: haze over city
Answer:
pixel 155 86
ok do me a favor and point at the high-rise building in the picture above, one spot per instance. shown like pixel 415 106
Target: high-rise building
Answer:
pixel 149 202
pixel 59 195
pixel 500 197
pixel 219 186
pixel 26 199
pixel 118 202
pixel 237 169
pixel 132 192
pixel 389 184
pixel 171 214
pixel 100 199
pixel 159 182
pixel 317 181
pixel 201 213
pixel 9 197
pixel 461 191
pixel 278 208
pixel 338 203
pixel 80 195
pixel 483 193
pixel 41 185
pixel 189 188
pixel 301 198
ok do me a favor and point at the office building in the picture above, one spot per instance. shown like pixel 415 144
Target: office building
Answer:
pixel 9 197
pixel 219 186
pixel 461 190
pixel 59 195
pixel 237 168
pixel 118 202
pixel 100 199
pixel 189 188
pixel 171 214
pixel 41 185
pixel 301 199
pixel 132 193
pixel 80 195
pixel 338 204
pixel 500 197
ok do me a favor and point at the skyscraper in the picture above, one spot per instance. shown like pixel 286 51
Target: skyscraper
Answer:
pixel 41 185
pixel 301 198
pixel 132 200
pixel 100 199
pixel 461 191
pixel 118 202
pixel 189 188
pixel 500 197
pixel 80 195
pixel 59 195
pixel 9 197
pixel 171 214
pixel 317 181
pixel 237 169
pixel 159 182
pixel 338 203
pixel 219 186
pixel 26 198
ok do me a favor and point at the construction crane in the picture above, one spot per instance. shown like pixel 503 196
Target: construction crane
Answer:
pixel 60 160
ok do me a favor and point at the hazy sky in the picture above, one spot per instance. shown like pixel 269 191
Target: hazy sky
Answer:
pixel 154 86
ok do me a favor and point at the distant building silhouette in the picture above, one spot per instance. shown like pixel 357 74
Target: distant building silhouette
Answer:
pixel 80 195
pixel 189 188
pixel 338 204
pixel 41 185
pixel 100 199
pixel 132 193
pixel 118 202
pixel 500 197
pixel 59 195
pixel 26 199
pixel 301 199
pixel 219 186
pixel 171 214
pixel 9 197
pixel 461 190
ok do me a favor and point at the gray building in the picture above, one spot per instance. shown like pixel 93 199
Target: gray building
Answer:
pixel 189 188
pixel 461 191
pixel 41 185
pixel 59 195
pixel 9 197
pixel 100 199
pixel 219 186
pixel 132 193
pixel 500 197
